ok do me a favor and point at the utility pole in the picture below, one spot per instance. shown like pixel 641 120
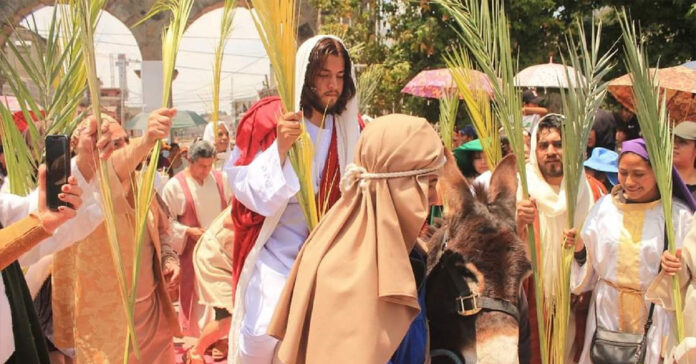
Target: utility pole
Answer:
pixel 111 69
pixel 233 109
pixel 122 64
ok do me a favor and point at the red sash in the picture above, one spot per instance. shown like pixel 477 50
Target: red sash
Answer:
pixel 256 132
pixel 187 294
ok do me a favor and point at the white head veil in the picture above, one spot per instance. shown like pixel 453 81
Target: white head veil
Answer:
pixel 346 120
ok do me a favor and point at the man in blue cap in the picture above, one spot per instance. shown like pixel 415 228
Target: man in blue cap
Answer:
pixel 463 136
pixel 601 170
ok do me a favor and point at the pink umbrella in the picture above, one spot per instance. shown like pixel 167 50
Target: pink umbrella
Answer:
pixel 438 83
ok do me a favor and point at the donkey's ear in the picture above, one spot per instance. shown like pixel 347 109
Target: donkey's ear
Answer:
pixel 503 186
pixel 453 188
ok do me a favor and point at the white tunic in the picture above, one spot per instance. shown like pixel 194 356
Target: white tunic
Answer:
pixel 14 208
pixel 206 199
pixel 264 185
pixel 624 244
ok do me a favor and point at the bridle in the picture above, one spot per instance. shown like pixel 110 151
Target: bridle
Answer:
pixel 468 303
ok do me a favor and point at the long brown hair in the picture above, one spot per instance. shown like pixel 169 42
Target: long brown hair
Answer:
pixel 309 100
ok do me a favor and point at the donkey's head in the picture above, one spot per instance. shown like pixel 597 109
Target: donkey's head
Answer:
pixel 474 285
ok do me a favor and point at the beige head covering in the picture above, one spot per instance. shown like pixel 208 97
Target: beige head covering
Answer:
pixel 351 295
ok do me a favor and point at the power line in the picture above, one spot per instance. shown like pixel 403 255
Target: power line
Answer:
pixel 184 50
pixel 98 33
pixel 223 71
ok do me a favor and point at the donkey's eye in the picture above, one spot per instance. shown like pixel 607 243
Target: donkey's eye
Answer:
pixel 486 230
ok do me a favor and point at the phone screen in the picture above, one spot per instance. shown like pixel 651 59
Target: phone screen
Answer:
pixel 57 168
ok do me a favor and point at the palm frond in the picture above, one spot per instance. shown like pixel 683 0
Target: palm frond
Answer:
pixel 18 157
pixel 276 23
pixel 654 123
pixel 56 72
pixel 228 12
pixel 449 105
pixel 484 30
pixel 54 68
pixel 580 104
pixel 478 104
pixel 86 16
pixel 368 84
pixel 179 11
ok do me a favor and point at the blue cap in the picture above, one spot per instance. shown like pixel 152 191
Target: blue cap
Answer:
pixel 604 160
pixel 468 130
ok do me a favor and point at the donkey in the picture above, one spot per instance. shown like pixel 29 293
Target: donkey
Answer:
pixel 476 266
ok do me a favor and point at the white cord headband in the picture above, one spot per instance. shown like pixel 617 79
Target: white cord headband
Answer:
pixel 355 173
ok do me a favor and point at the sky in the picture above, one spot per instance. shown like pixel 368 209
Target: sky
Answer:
pixel 244 66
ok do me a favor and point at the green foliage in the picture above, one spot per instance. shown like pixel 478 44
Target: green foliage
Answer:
pixel 55 67
pixel 404 37
pixel 407 37
pixel 580 105
pixel 665 26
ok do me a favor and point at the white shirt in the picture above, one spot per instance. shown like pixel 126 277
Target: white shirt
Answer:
pixel 14 208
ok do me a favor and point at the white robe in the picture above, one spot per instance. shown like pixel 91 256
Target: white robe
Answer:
pixel 624 244
pixel 280 251
pixel 13 208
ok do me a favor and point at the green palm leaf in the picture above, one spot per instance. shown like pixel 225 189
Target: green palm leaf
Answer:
pixel 483 29
pixel 86 14
pixel 478 104
pixel 228 12
pixel 171 38
pixel 654 123
pixel 449 105
pixel 580 104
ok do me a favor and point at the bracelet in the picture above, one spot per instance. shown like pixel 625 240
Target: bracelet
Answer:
pixel 581 256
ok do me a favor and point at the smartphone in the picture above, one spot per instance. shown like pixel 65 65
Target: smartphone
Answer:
pixel 57 168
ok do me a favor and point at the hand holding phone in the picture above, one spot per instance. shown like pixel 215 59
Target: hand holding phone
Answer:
pixel 71 194
pixel 57 169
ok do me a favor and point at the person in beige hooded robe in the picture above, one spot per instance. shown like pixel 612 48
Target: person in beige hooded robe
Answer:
pixel 351 295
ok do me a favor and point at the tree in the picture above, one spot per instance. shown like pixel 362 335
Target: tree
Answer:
pixel 667 25
pixel 407 37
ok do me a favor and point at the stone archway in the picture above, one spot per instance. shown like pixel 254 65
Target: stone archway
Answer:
pixel 131 11
pixel 147 34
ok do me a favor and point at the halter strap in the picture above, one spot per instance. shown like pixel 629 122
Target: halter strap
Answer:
pixel 469 303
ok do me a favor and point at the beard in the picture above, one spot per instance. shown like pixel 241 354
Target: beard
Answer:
pixel 315 102
pixel 553 169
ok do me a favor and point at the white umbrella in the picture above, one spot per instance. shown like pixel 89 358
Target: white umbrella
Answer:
pixel 549 75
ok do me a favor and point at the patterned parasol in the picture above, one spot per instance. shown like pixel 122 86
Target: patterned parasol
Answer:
pixel 548 75
pixel 679 83
pixel 438 83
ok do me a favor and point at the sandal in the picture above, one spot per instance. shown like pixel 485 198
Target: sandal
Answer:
pixel 190 357
pixel 220 350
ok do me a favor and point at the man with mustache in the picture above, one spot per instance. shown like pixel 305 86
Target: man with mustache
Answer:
pixel 269 226
pixel 546 211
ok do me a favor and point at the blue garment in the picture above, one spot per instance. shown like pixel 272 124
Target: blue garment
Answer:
pixel 412 349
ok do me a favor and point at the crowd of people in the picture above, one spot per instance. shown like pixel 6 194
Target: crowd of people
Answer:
pixel 228 258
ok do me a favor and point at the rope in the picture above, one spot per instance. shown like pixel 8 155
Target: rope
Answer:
pixel 355 173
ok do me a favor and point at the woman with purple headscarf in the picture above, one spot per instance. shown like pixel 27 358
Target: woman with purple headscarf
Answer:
pixel 618 252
